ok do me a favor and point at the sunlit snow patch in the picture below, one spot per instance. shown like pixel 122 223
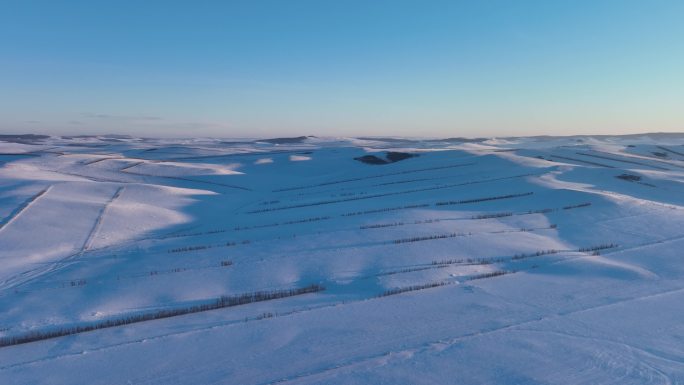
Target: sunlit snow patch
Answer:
pixel 299 158
pixel 174 169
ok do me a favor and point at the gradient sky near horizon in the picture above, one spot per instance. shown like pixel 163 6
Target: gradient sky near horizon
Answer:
pixel 345 67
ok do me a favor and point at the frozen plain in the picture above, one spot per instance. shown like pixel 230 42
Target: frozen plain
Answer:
pixel 504 261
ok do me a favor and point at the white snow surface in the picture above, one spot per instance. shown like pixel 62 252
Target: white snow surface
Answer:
pixel 545 260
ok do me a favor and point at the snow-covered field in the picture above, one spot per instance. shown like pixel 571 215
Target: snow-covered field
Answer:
pixel 504 261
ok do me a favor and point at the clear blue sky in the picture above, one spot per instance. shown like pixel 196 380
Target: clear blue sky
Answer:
pixel 291 67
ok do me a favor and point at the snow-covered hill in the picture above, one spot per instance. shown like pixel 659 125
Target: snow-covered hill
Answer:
pixel 342 261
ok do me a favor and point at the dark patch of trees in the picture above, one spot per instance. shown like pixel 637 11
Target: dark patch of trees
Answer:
pixel 314 219
pixel 409 270
pixel 298 139
pixel 597 247
pixel 23 138
pixel 535 254
pixel 454 235
pixel 629 177
pixel 429 238
pixel 519 256
pixel 188 248
pixel 371 159
pixel 394 156
pixel 493 215
pixel 235 243
pixel 576 206
pixel 390 157
pixel 381 225
pixel 400 290
pixel 404 181
pixel 468 261
pixel 476 200
pixel 540 211
pixel 78 282
pixel 394 224
pixel 276 224
pixel 240 228
pixel 265 315
pixel 385 209
pixel 490 274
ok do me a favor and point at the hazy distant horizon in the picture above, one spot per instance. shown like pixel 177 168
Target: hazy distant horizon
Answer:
pixel 414 137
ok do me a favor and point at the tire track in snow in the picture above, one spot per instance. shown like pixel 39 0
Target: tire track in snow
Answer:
pixel 29 275
pixel 651 354
pixel 22 207
pixel 98 222
pixel 445 343
pixel 377 358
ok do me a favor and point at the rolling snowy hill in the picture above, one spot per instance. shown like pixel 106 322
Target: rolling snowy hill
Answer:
pixel 342 261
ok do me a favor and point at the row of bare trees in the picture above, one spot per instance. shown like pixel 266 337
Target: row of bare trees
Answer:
pixel 221 302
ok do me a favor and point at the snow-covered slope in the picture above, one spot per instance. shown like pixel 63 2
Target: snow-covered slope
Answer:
pixel 342 261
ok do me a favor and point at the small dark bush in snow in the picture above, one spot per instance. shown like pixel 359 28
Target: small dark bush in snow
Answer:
pixel 629 177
